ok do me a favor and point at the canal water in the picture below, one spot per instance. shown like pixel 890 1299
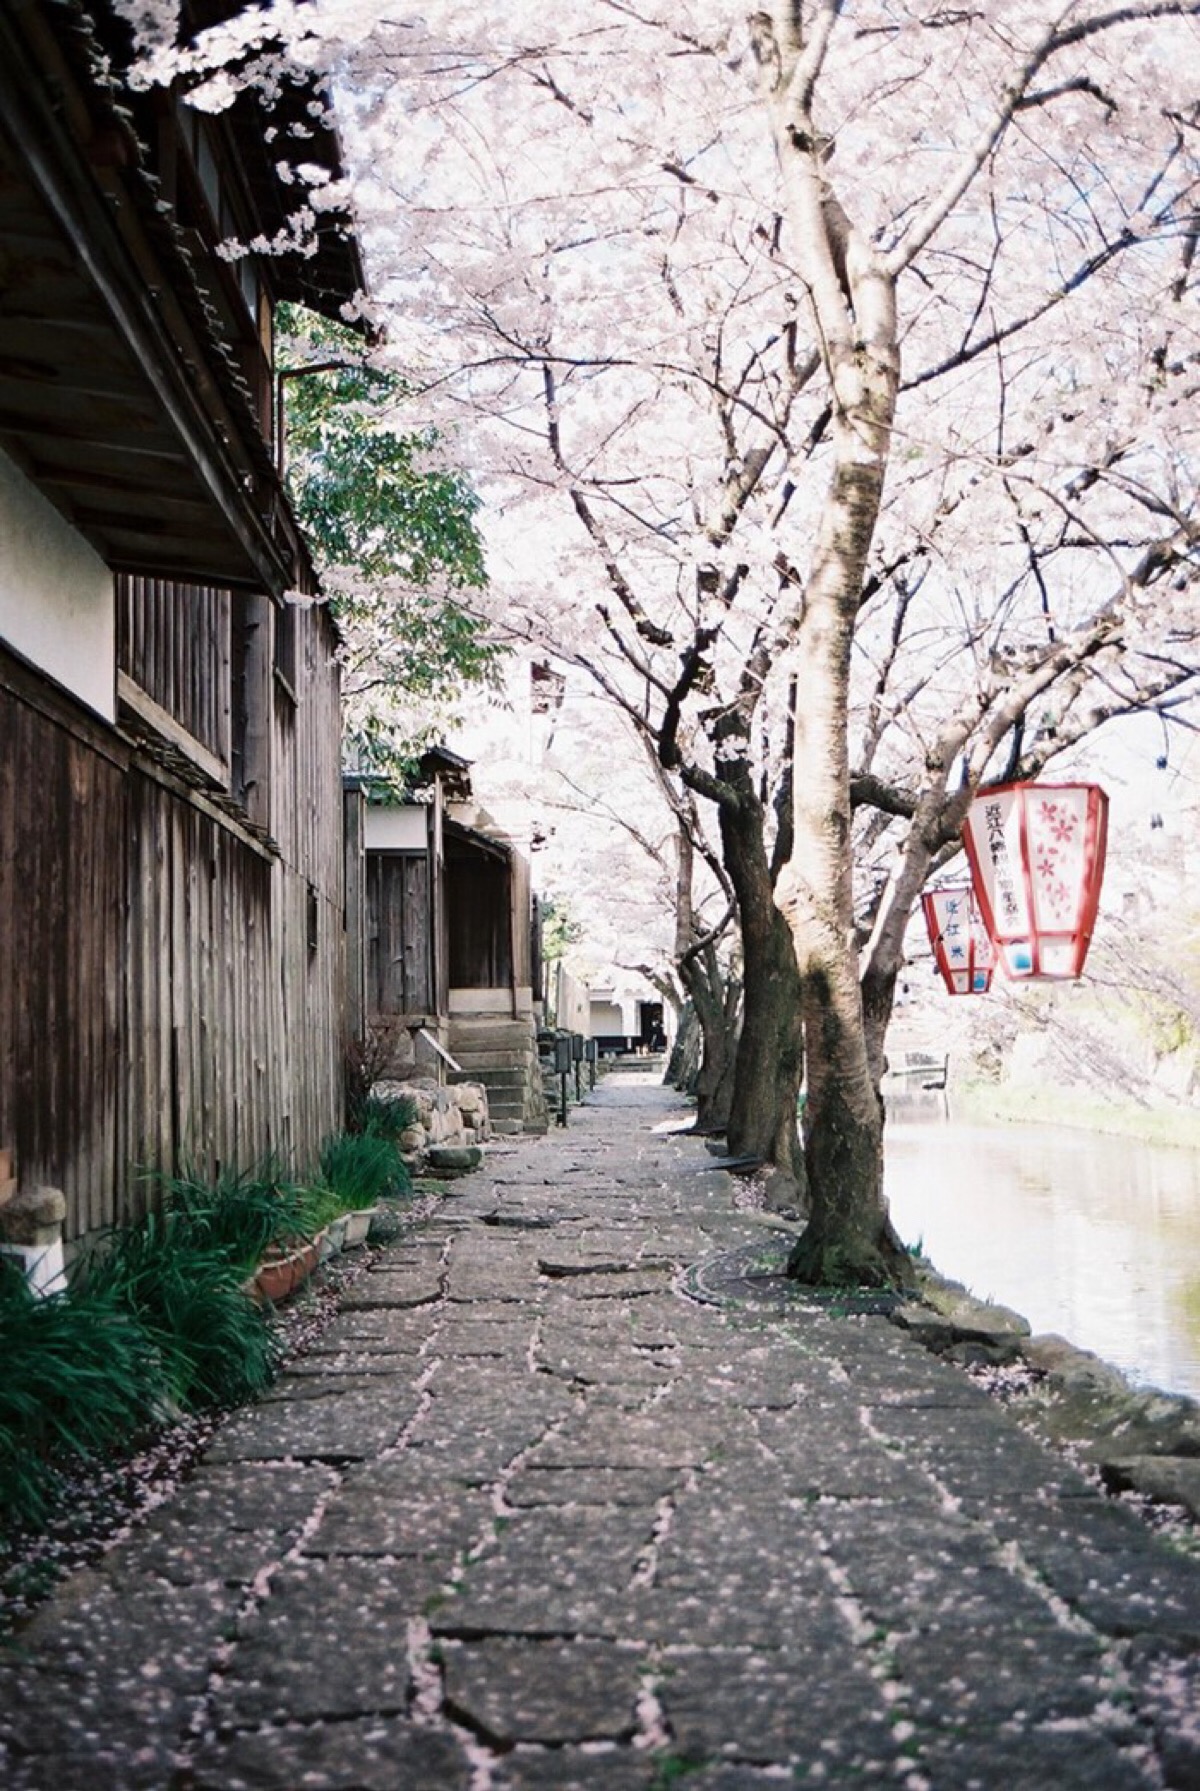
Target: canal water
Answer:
pixel 1095 1237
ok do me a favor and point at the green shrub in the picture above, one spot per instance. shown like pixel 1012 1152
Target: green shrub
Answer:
pixel 217 1345
pixel 321 1207
pixel 362 1168
pixel 78 1375
pixel 386 1116
pixel 238 1215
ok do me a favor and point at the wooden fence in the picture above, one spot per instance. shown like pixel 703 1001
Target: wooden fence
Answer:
pixel 171 982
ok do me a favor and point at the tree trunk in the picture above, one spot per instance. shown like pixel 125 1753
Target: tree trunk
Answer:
pixel 849 1238
pixel 770 1052
pixel 715 1003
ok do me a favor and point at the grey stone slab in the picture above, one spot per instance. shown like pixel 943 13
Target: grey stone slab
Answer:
pixel 399 1507
pixel 737 1777
pixel 981 1455
pixel 326 1383
pixel 720 1543
pixel 487 1427
pixel 638 1487
pixel 1106 1566
pixel 716 1609
pixel 1033 1760
pixel 576 1769
pixel 395 1289
pixel 248 1496
pixel 485 1383
pixel 118 1763
pixel 965 1682
pixel 184 1556
pixel 329 1641
pixel 1168 1695
pixel 476 1460
pixel 488 1337
pixel 371 1754
pixel 349 1428
pixel 355 1364
pixel 475 1282
pixel 551 1572
pixel 402 1332
pixel 597 1361
pixel 838 1462
pixel 913 1569
pixel 606 1438
pixel 545 1691
pixel 490 1264
pixel 628 1284
pixel 1132 1594
pixel 114 1671
pixel 419 1248
pixel 772 1708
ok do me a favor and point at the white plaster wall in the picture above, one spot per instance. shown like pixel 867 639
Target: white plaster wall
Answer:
pixel 396 829
pixel 607 1020
pixel 57 598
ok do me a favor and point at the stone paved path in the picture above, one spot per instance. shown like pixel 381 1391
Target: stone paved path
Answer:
pixel 531 1519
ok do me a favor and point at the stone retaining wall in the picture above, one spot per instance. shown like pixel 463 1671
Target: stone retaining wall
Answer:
pixel 1137 1439
pixel 456 1116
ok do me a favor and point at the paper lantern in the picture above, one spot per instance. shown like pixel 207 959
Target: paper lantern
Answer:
pixel 1037 862
pixel 961 947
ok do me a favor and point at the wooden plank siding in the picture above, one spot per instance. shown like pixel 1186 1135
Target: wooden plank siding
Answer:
pixel 184 671
pixel 399 954
pixel 164 998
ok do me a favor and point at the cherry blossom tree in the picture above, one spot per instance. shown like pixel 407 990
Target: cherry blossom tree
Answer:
pixel 833 370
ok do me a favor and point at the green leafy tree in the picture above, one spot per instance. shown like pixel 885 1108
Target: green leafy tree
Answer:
pixel 394 532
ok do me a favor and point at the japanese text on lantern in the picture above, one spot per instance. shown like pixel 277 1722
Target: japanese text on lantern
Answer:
pixel 1005 889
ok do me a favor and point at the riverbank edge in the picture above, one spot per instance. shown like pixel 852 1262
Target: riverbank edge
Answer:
pixel 1000 1104
pixel 1136 1440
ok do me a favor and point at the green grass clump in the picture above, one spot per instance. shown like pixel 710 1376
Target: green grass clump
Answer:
pixel 237 1216
pixel 216 1345
pixel 386 1116
pixel 361 1168
pixel 79 1375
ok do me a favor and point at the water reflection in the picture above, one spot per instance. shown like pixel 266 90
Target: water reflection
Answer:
pixel 1094 1237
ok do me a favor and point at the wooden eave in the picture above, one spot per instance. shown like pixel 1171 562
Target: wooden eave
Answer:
pixel 118 396
pixel 474 841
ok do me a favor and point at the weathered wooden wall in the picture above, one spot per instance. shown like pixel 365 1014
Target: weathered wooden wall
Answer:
pixel 171 987
pixel 62 894
pixel 399 959
pixel 164 659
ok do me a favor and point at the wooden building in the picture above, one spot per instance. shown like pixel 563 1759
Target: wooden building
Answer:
pixel 172 960
pixel 452 944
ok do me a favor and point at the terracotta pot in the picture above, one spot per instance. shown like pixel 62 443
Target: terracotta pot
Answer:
pixel 305 1258
pixel 274 1278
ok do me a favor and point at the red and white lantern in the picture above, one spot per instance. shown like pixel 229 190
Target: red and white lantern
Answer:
pixel 962 950
pixel 1037 862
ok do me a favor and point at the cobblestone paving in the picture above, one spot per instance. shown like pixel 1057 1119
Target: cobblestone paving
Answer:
pixel 530 1519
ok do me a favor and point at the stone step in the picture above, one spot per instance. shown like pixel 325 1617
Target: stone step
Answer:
pixel 488 1036
pixel 497 1079
pixel 476 1062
